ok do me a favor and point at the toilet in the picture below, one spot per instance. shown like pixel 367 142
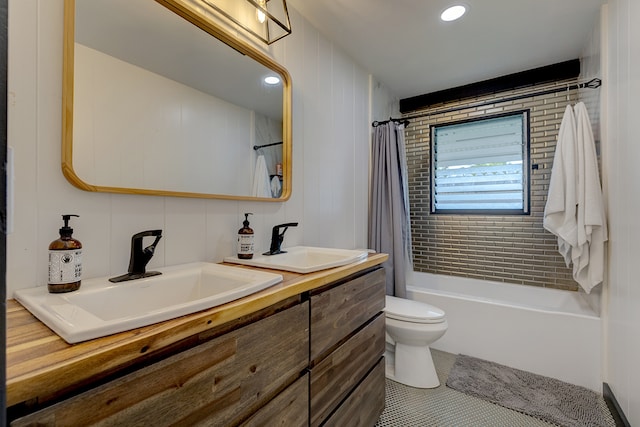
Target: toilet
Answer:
pixel 411 327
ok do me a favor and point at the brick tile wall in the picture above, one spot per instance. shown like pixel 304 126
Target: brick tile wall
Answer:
pixel 514 249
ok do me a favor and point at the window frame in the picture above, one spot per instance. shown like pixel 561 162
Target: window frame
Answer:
pixel 526 164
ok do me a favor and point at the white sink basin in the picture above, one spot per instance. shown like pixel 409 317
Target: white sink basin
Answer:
pixel 102 308
pixel 303 259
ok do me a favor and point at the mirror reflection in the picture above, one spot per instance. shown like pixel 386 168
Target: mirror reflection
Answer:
pixel 159 106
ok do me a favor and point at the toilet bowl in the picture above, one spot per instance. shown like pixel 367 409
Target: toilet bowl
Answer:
pixel 411 327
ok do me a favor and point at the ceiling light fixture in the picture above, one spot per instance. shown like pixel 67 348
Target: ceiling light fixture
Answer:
pixel 271 80
pixel 267 20
pixel 452 13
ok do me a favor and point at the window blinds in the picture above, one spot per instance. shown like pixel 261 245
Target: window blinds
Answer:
pixel 480 165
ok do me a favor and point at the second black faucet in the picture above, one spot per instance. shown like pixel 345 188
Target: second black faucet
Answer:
pixel 277 237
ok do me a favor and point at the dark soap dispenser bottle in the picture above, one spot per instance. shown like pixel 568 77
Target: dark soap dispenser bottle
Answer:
pixel 65 261
pixel 245 239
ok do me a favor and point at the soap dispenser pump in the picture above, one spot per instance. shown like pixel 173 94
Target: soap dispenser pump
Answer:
pixel 65 261
pixel 245 239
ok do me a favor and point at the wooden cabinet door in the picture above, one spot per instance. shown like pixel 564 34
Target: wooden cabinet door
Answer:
pixel 364 406
pixel 289 409
pixel 339 311
pixel 337 375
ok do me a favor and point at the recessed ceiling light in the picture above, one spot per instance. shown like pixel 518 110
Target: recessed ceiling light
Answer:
pixel 271 80
pixel 452 13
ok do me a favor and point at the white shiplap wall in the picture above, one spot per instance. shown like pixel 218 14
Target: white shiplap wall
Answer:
pixel 331 131
pixel 621 154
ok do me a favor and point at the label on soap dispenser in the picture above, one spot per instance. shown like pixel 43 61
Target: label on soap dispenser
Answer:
pixel 65 266
pixel 245 244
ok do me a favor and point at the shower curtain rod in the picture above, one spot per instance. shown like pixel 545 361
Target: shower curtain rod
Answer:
pixel 591 84
pixel 257 147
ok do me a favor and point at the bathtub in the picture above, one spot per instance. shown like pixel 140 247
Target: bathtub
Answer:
pixel 546 331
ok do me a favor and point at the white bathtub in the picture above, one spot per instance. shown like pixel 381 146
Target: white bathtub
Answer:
pixel 547 331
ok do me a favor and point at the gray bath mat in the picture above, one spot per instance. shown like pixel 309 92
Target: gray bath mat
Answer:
pixel 542 397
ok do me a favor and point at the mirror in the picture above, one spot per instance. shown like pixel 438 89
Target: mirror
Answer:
pixel 159 99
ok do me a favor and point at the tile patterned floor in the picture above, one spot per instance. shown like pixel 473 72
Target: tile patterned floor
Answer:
pixel 445 407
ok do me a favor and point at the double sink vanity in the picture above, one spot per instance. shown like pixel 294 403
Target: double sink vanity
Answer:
pixel 303 350
pixel 295 339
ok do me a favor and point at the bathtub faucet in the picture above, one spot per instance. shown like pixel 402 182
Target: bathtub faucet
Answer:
pixel 277 237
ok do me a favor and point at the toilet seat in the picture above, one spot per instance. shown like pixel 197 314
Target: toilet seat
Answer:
pixel 407 310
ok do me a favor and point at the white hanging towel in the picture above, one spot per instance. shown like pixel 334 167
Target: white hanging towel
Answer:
pixel 560 209
pixel 276 187
pixel 261 182
pixel 588 255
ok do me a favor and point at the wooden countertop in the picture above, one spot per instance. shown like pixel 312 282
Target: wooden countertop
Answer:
pixel 39 362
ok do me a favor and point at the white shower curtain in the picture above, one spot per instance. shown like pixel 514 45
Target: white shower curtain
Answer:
pixel 261 180
pixel 389 226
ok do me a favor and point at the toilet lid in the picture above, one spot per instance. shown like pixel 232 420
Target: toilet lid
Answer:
pixel 412 311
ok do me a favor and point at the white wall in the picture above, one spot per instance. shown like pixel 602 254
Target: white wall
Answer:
pixel 591 67
pixel 621 157
pixel 330 163
pixel 383 105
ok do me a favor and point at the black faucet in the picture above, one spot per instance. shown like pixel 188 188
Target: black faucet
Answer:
pixel 140 257
pixel 277 237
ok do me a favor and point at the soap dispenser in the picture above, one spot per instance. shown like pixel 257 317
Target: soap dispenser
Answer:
pixel 245 239
pixel 65 261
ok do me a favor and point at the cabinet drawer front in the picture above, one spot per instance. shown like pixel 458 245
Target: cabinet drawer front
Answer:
pixel 216 383
pixel 336 313
pixel 290 408
pixel 339 373
pixel 364 406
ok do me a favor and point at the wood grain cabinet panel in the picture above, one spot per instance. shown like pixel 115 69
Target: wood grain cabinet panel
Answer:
pixel 338 312
pixel 289 409
pixel 333 378
pixel 221 382
pixel 365 405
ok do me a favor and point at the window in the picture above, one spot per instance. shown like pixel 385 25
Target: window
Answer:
pixel 481 166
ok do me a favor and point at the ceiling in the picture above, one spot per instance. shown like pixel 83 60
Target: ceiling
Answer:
pixel 406 46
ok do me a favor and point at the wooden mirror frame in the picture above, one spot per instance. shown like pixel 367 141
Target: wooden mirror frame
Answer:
pixel 191 14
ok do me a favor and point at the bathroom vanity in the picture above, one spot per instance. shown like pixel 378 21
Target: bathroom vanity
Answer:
pixel 307 351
